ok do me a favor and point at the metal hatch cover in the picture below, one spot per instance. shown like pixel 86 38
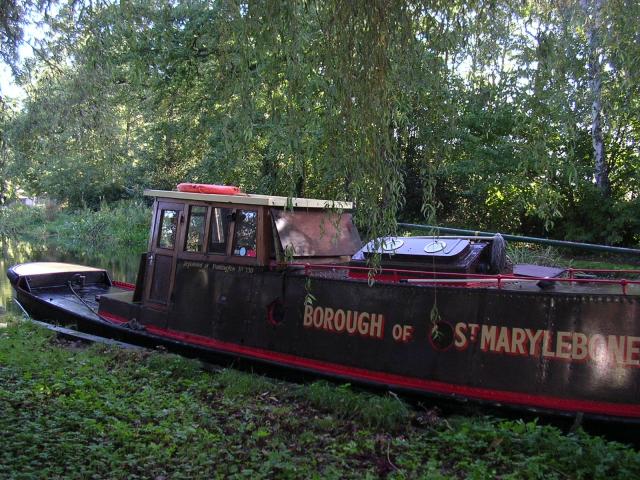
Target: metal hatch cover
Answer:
pixel 417 247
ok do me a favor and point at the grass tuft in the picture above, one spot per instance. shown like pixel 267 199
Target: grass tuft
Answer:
pixel 382 412
pixel 117 226
pixel 18 219
pixel 535 254
pixel 242 384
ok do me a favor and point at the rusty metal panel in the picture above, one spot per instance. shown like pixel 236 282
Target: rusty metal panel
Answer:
pixel 316 233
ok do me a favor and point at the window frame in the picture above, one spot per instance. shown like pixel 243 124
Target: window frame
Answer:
pixel 227 235
pixel 205 219
pixel 234 239
pixel 228 257
pixel 176 236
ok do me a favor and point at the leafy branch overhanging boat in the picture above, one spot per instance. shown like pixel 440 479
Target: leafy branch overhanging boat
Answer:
pixel 285 281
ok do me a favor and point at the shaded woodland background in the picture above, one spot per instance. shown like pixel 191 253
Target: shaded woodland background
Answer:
pixel 508 115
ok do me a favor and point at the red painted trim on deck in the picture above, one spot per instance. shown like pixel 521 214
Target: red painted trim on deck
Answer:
pixel 125 285
pixel 429 386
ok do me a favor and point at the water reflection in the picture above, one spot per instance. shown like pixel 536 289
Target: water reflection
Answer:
pixel 121 265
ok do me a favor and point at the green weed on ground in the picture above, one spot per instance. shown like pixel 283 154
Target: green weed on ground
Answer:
pixel 98 412
pixel 604 263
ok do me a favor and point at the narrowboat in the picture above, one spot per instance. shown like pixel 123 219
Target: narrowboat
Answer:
pixel 289 282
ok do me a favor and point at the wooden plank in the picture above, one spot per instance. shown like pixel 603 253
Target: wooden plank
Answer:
pixel 538 271
pixel 252 199
pixel 84 337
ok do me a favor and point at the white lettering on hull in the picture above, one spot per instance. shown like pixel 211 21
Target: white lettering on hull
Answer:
pixel 351 322
pixel 622 350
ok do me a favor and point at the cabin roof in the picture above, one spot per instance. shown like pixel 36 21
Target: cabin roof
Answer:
pixel 252 199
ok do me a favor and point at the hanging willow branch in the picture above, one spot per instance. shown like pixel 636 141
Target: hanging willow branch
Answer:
pixel 362 38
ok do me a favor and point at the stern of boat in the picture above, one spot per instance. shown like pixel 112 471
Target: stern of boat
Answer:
pixel 37 275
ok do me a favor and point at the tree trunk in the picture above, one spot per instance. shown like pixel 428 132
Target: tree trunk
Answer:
pixel 592 10
pixel 3 173
pixel 4 162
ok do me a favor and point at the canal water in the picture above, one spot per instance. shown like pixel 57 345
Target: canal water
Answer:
pixel 122 266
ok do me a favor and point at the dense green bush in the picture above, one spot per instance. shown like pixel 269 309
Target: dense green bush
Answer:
pixel 123 224
pixel 596 219
pixel 18 219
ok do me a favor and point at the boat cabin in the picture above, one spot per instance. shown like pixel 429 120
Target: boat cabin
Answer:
pixel 241 231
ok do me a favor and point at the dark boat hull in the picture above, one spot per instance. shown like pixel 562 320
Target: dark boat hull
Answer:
pixel 553 351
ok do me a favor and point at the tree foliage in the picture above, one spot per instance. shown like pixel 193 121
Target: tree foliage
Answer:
pixel 468 113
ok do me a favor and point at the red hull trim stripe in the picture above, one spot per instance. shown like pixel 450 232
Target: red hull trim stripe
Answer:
pixel 429 386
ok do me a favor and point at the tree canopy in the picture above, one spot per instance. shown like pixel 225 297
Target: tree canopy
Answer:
pixel 518 116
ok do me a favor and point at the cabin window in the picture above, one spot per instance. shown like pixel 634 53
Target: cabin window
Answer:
pixel 244 243
pixel 219 229
pixel 168 229
pixel 194 241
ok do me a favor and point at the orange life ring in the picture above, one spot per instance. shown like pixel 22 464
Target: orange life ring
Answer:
pixel 209 188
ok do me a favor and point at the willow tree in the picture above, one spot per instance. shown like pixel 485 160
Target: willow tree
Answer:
pixel 14 16
pixel 475 112
pixel 365 104
pixel 315 98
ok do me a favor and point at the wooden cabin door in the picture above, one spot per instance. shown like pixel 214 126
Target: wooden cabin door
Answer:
pixel 161 261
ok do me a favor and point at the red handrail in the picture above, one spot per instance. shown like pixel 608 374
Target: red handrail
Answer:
pixel 463 278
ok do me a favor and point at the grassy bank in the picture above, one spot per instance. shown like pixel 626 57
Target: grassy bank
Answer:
pixel 114 227
pixel 97 412
pixel 550 256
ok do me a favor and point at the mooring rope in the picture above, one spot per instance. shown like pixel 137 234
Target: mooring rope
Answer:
pixel 132 324
pixel 498 254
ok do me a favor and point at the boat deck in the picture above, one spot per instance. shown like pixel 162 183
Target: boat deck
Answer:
pixel 558 280
pixel 84 302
